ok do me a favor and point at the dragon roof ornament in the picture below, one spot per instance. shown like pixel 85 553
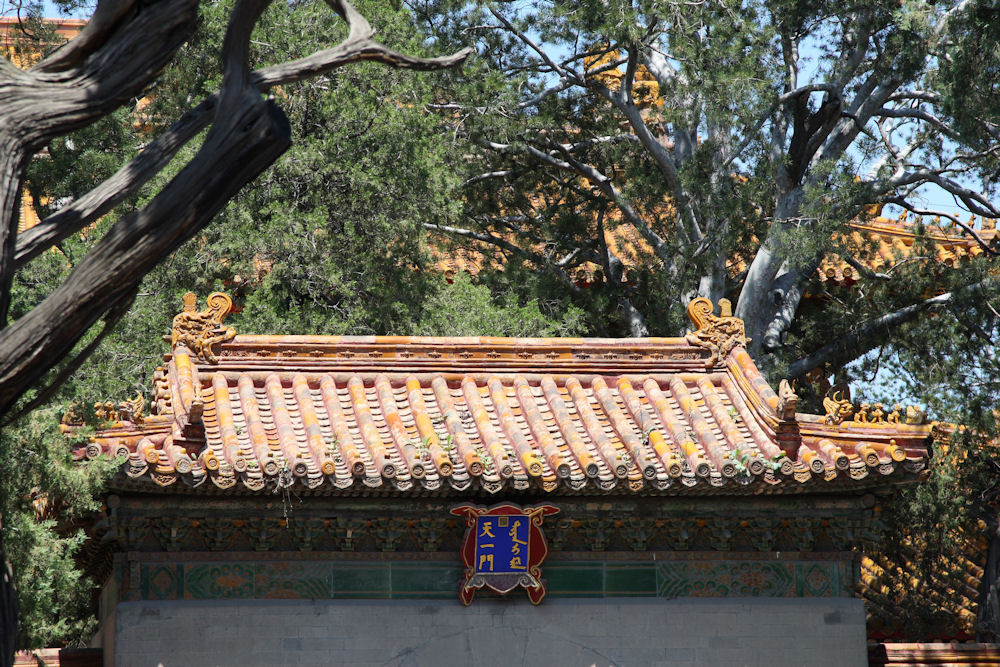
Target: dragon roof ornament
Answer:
pixel 719 334
pixel 839 408
pixel 199 331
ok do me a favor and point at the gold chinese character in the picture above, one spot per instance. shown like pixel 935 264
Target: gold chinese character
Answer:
pixel 488 559
pixel 487 530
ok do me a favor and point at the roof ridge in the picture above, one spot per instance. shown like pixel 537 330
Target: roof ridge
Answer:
pixel 425 415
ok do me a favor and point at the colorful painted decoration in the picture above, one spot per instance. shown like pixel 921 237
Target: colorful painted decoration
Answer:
pixel 503 548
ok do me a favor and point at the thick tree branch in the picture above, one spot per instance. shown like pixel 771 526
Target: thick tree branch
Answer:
pixel 116 189
pixel 869 335
pixel 40 105
pixel 689 227
pixel 49 104
pixel 784 98
pixel 861 268
pixel 158 153
pixel 975 202
pixel 245 142
pixel 789 288
pixel 247 135
pixel 917 114
pixel 91 38
pixel 111 319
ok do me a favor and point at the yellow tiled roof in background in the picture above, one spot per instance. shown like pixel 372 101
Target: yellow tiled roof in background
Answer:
pixel 945 584
pixel 880 244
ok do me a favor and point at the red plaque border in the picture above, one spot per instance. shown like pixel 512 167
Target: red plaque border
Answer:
pixel 531 580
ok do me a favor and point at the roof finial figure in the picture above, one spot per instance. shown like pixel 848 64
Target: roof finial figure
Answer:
pixel 200 331
pixel 788 400
pixel 719 334
pixel 838 405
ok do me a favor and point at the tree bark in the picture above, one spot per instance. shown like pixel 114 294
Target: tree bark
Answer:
pixel 8 612
pixel 246 137
pixel 61 95
pixel 252 139
pixel 121 50
pixel 869 335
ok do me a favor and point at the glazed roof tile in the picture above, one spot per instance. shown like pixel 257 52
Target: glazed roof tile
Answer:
pixel 391 414
pixel 878 245
pixel 948 584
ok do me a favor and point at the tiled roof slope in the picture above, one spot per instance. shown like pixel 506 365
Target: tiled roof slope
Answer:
pixel 933 655
pixel 945 585
pixel 879 244
pixel 883 242
pixel 406 414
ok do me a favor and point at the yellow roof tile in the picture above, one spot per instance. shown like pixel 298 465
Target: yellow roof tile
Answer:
pixel 407 414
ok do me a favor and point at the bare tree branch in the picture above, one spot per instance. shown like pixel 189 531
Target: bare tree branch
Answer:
pixel 784 98
pixel 604 183
pixel 539 260
pixel 917 114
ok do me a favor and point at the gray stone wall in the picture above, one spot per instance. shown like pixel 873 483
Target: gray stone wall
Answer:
pixel 586 632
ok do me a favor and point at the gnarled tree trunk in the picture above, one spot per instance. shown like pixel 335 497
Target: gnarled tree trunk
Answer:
pixel 114 58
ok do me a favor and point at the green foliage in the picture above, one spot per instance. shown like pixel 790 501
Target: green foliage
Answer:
pixel 946 363
pixel 43 497
pixel 333 237
pixel 466 309
pixel 329 240
pixel 970 75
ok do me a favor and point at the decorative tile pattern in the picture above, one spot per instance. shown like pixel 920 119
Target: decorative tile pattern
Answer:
pixel 748 579
pixel 162 582
pixel 440 580
pixel 219 582
pixel 292 580
pixel 761 532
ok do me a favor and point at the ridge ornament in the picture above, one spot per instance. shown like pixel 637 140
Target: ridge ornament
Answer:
pixel 503 548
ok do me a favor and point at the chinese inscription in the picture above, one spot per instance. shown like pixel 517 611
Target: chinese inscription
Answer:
pixel 503 549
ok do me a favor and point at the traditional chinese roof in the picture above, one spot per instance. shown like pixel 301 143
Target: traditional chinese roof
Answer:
pixel 933 655
pixel 371 414
pixel 879 244
pixel 883 242
pixel 945 585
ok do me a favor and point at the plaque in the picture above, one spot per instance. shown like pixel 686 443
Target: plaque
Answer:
pixel 503 548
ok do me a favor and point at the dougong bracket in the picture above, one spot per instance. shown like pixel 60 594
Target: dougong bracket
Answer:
pixel 199 331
